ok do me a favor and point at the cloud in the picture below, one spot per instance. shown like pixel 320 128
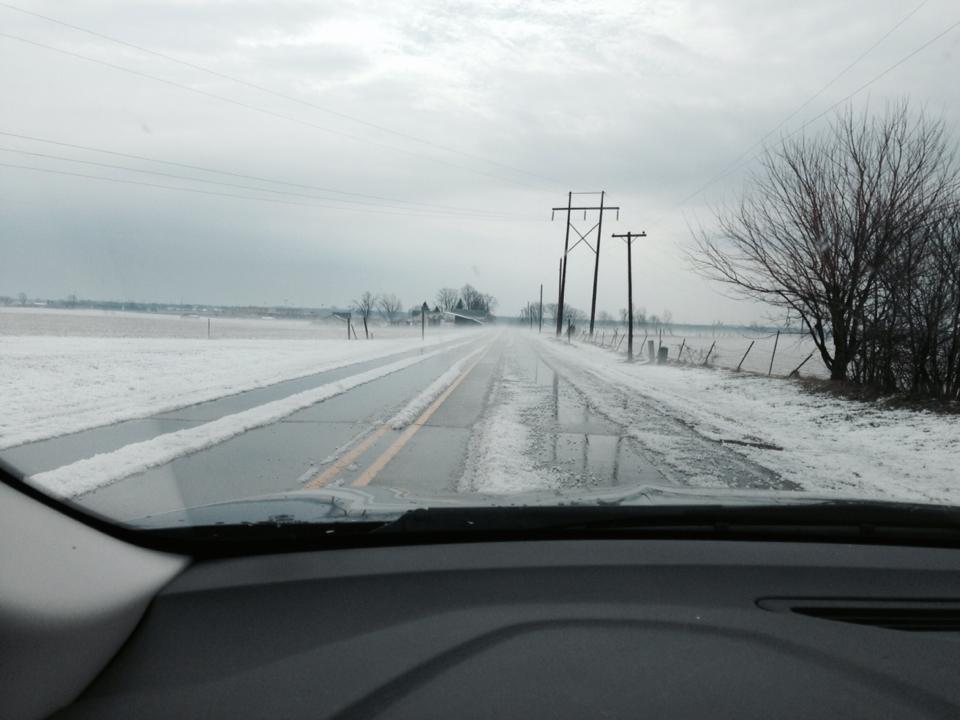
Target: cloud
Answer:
pixel 647 100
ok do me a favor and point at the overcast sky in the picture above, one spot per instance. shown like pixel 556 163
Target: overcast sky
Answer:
pixel 454 126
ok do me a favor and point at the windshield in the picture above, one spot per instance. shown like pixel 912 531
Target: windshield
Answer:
pixel 273 261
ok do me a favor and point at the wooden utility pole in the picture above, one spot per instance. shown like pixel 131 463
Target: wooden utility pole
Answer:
pixel 628 237
pixel 540 315
pixel 563 263
pixel 558 317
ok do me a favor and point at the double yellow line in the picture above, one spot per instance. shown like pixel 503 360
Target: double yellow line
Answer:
pixel 396 446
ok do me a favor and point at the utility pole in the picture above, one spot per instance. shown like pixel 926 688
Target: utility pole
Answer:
pixel 596 265
pixel 559 294
pixel 540 314
pixel 629 237
pixel 563 262
pixel 583 239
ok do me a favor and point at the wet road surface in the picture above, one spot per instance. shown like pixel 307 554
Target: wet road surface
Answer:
pixel 516 417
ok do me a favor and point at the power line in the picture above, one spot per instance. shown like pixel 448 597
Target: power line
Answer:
pixel 276 93
pixel 222 194
pixel 870 82
pixel 845 70
pixel 739 160
pixel 258 178
pixel 255 108
pixel 488 216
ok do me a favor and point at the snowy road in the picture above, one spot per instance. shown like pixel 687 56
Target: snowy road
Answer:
pixel 489 412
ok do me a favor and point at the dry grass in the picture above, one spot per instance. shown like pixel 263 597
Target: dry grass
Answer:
pixel 854 391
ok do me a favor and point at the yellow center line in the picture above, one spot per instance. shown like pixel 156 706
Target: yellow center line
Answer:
pixel 377 465
pixel 321 479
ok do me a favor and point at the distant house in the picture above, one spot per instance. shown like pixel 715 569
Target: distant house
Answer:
pixel 459 316
pixel 434 317
pixel 462 315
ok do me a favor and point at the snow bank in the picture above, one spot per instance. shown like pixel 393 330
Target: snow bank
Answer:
pixel 824 444
pixel 88 474
pixel 51 386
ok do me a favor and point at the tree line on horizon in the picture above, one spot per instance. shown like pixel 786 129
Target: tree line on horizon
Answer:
pixel 467 299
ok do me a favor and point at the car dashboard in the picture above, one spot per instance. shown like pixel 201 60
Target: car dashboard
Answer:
pixel 653 628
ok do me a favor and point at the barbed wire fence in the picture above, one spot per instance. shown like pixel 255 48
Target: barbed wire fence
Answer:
pixel 777 353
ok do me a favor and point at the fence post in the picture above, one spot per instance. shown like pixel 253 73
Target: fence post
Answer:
pixel 680 354
pixel 745 355
pixel 796 370
pixel 773 354
pixel 709 352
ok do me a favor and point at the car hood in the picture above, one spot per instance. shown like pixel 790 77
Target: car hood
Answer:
pixel 372 504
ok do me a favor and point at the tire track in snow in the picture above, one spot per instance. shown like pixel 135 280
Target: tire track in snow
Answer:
pixel 499 456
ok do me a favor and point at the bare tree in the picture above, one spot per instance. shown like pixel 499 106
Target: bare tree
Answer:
pixel 816 226
pixel 572 314
pixel 476 301
pixel 447 299
pixel 364 307
pixel 22 298
pixel 530 311
pixel 911 328
pixel 472 298
pixel 569 313
pixel 637 312
pixel 667 319
pixel 390 306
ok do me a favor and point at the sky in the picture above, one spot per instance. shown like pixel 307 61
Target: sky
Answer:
pixel 303 152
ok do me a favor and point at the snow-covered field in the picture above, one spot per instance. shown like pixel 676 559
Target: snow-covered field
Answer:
pixel 821 443
pixel 106 323
pixel 56 384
